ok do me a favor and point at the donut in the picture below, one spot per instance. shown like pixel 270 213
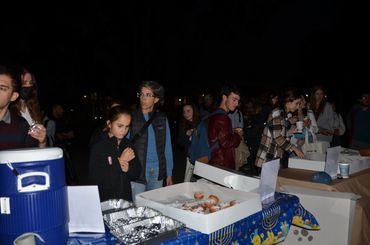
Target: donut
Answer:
pixel 198 195
pixel 198 209
pixel 213 199
pixel 208 203
pixel 234 202
pixel 225 205
pixel 214 209
pixel 190 205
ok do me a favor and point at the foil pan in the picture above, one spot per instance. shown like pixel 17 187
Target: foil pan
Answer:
pixel 149 231
pixel 114 205
pixel 128 216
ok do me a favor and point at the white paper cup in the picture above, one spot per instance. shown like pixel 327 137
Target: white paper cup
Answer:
pixel 299 126
pixel 344 170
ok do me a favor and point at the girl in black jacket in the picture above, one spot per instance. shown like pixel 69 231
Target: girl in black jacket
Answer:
pixel 112 159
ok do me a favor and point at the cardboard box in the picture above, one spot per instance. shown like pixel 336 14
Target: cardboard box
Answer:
pixel 333 210
pixel 226 177
pixel 162 199
pixel 357 163
pixel 295 162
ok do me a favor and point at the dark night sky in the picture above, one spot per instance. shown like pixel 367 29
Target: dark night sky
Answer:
pixel 188 46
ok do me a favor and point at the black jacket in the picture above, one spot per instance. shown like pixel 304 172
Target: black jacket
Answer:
pixel 105 171
pixel 141 144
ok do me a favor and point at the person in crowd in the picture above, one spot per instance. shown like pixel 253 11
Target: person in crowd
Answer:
pixel 339 127
pixel 242 151
pixel 15 132
pixel 113 163
pixel 255 115
pixel 50 126
pixel 324 114
pixel 64 136
pixel 292 128
pixel 98 133
pixel 206 105
pixel 64 132
pixel 257 111
pixel 271 101
pixel 221 136
pixel 152 141
pixel 310 127
pixel 274 138
pixel 359 123
pixel 236 118
pixel 188 123
pixel 306 115
pixel 28 105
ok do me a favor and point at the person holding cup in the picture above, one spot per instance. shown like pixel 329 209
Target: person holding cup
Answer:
pixel 274 141
pixel 299 125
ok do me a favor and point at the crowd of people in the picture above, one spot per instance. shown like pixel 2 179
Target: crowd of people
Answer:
pixel 132 151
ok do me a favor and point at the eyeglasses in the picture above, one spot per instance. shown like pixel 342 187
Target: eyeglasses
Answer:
pixel 147 95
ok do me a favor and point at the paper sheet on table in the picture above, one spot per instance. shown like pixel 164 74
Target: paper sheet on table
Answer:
pixel 269 175
pixel 331 164
pixel 85 213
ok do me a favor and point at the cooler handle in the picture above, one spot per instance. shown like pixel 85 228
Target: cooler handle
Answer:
pixel 33 187
pixel 28 239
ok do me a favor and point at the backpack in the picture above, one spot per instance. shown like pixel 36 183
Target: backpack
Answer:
pixel 199 147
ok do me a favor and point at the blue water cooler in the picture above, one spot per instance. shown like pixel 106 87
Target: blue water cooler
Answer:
pixel 33 195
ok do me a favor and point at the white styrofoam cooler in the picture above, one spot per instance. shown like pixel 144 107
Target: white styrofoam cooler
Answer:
pixel 162 199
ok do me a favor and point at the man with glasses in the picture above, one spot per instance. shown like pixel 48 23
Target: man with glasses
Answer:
pixel 152 143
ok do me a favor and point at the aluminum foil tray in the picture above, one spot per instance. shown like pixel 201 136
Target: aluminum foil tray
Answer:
pixel 128 216
pixel 114 205
pixel 149 231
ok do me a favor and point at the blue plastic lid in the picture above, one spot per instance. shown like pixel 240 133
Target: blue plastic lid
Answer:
pixel 321 177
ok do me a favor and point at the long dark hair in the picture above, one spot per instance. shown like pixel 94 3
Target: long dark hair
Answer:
pixel 14 77
pixel 114 113
pixel 186 124
pixel 317 110
pixel 289 95
pixel 32 103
